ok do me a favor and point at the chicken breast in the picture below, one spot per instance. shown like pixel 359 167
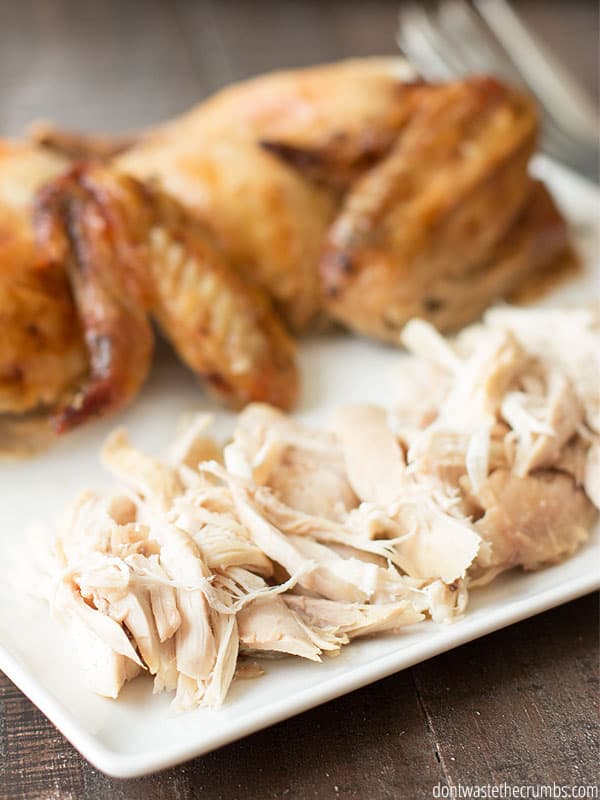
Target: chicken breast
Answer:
pixel 373 457
pixel 353 620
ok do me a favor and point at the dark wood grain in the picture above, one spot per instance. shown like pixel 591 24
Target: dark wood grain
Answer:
pixel 518 706
pixel 523 703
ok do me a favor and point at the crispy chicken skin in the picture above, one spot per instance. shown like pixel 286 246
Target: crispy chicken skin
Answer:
pixel 264 161
pixel 41 349
pixel 433 211
pixel 263 164
pixel 129 251
pixel 534 241
pixel 95 224
pixel 270 221
pixel 221 325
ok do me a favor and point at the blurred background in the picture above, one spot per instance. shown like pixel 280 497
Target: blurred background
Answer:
pixel 123 64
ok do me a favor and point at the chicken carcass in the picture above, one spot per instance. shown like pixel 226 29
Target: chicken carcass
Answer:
pixel 348 190
pixel 396 191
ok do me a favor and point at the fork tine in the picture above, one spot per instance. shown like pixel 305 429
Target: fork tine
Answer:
pixel 435 43
pixel 413 39
pixel 463 25
pixel 557 142
pixel 559 92
pixel 429 24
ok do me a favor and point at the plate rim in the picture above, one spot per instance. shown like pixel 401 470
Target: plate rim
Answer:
pixel 133 765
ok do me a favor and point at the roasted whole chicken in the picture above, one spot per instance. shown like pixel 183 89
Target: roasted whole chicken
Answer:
pixel 347 192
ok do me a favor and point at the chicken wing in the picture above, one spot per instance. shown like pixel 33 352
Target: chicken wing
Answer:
pixel 94 224
pixel 221 324
pixel 129 251
pixel 270 221
pixel 87 254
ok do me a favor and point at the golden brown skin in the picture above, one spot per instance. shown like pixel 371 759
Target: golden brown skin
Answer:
pixel 234 162
pixel 95 224
pixel 221 325
pixel 270 221
pixel 84 262
pixel 434 209
pixel 42 354
pixel 532 244
pixel 130 250
pixel 263 164
pixel 394 187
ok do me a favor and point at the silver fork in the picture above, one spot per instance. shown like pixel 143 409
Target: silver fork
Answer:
pixel 452 38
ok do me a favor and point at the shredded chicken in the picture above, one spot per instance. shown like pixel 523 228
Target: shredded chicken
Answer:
pixel 305 468
pixel 292 541
pixel 516 434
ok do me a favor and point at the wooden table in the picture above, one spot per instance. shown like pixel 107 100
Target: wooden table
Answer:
pixel 519 706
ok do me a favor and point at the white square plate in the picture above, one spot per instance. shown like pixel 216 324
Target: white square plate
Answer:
pixel 137 734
